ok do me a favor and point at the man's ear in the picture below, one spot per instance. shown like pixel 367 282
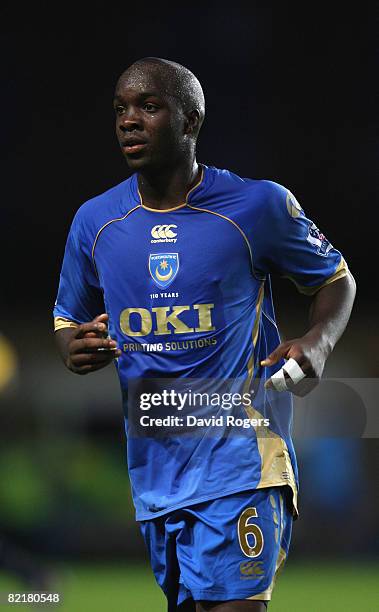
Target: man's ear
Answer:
pixel 192 122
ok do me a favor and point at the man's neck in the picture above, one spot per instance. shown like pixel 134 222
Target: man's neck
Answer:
pixel 168 188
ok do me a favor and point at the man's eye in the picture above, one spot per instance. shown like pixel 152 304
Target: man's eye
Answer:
pixel 150 108
pixel 119 110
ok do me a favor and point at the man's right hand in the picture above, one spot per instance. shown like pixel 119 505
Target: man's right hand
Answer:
pixel 86 348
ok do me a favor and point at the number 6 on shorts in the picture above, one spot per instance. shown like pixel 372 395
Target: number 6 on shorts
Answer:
pixel 246 529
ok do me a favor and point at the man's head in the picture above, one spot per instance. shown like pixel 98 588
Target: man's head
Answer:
pixel 159 108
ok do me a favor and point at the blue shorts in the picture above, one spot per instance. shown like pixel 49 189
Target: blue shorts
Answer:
pixel 223 549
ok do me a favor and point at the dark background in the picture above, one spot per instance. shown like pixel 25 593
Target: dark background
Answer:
pixel 290 98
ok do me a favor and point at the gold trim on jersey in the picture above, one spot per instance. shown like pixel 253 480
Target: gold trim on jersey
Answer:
pixel 212 212
pixel 63 323
pixel 106 225
pixel 340 272
pixel 159 210
pixel 276 467
pixel 167 210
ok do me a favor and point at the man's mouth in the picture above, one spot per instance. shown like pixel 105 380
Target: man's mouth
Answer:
pixel 133 145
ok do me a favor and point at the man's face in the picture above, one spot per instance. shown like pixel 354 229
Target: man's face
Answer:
pixel 150 122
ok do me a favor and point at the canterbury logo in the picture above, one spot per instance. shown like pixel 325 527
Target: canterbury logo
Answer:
pixel 164 233
pixel 251 568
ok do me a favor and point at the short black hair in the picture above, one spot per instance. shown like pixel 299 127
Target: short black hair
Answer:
pixel 179 81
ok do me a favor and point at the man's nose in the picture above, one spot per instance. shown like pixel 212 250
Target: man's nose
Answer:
pixel 129 121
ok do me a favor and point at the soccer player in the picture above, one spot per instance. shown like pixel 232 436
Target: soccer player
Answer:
pixel 168 274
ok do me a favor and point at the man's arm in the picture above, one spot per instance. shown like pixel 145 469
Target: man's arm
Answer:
pixel 329 314
pixel 86 348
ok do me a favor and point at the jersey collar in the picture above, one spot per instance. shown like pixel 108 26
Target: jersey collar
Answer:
pixel 195 194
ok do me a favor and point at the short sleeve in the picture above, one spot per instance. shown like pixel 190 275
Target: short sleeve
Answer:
pixel 80 298
pixel 291 245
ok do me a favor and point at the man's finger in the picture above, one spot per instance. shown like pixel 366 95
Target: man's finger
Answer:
pixel 99 325
pixel 278 381
pixel 103 358
pixel 101 318
pixel 288 378
pixel 97 328
pixel 91 345
pixel 294 371
pixel 276 355
pixel 93 335
pixel 86 368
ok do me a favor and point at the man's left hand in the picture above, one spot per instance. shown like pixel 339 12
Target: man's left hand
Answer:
pixel 311 356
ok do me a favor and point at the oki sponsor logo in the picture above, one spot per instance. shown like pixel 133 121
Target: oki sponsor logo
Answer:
pixel 164 320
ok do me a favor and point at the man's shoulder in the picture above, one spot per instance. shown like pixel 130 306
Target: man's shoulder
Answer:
pixel 112 204
pixel 258 190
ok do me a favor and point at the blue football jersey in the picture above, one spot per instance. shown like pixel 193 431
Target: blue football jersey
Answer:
pixel 188 295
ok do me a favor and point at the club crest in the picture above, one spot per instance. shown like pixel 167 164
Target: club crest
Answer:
pixel 163 268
